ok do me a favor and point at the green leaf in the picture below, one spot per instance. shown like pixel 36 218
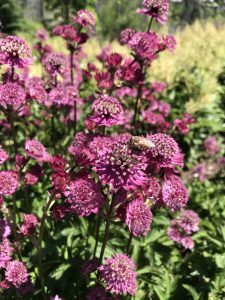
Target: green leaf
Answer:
pixel 192 291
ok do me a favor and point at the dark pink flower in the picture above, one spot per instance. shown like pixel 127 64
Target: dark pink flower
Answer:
pixel 84 197
pixel 158 9
pixel 158 87
pixel 37 91
pixel 59 212
pixel 33 174
pixel 14 52
pixel 90 266
pixel 30 222
pixel 174 193
pixel 104 80
pixel 211 145
pixel 11 95
pixel 166 152
pixel 98 293
pixel 3 156
pixel 60 180
pixel 16 273
pixel 37 151
pixel 138 217
pixel 107 111
pixel 9 181
pixel 120 166
pixel 58 96
pixel 174 233
pixel 67 32
pixel 58 163
pixel 4 284
pixel 84 18
pixel 144 44
pixel 126 35
pixel 79 148
pixel 130 71
pixel 114 60
pixel 118 274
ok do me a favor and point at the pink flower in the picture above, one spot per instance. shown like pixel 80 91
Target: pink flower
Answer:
pixel 3 156
pixel 120 166
pixel 37 151
pixel 152 189
pixel 107 111
pixel 182 124
pixel 158 87
pixel 158 9
pixel 5 229
pixel 67 32
pixel 58 163
pixel 55 63
pixel 118 274
pixel 16 273
pixel 199 171
pixel 60 180
pixel 144 44
pixel 166 153
pixel 84 197
pixel 138 217
pixel 174 234
pixel 126 35
pixel 84 18
pixel 30 222
pixel 9 181
pixel 6 251
pixel 79 148
pixel 114 60
pixel 174 193
pixel 11 95
pixel 187 242
pixel 59 212
pixel 37 91
pixel 169 42
pixel 211 145
pixel 14 52
pixel 33 174
pixel 56 297
pixel 189 221
pixel 104 80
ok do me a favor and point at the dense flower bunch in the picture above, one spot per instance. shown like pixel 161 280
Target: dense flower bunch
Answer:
pixel 123 162
pixel 182 228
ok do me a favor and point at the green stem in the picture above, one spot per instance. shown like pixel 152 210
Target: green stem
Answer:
pixel 106 234
pixel 129 243
pixel 97 235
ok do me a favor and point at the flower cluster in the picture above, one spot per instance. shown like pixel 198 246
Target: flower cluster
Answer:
pixel 182 228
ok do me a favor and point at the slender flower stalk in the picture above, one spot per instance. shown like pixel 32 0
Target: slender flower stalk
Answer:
pixel 106 234
pixel 99 220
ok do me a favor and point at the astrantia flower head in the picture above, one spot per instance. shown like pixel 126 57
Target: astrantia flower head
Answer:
pixel 84 18
pixel 144 44
pixel 58 163
pixel 174 193
pixel 67 32
pixel 114 60
pixel 211 145
pixel 107 111
pixel 60 181
pixel 138 217
pixel 11 95
pixel 30 221
pixel 104 80
pixel 118 274
pixel 6 251
pixel 158 9
pixel 3 156
pixel 15 52
pixel 16 273
pixel 152 189
pixel 33 174
pixel 126 35
pixel 187 242
pixel 166 153
pixel 189 221
pixel 37 151
pixel 9 181
pixel 55 63
pixel 37 91
pixel 121 166
pixel 169 42
pixel 84 196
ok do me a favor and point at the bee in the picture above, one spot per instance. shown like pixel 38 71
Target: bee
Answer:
pixel 141 143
